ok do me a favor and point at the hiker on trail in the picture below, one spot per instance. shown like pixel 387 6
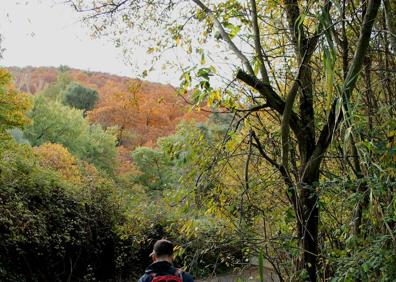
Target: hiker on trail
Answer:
pixel 162 269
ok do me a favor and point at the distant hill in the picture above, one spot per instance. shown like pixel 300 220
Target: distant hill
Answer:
pixel 33 79
pixel 143 115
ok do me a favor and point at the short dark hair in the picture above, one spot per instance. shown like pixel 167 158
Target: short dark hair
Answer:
pixel 162 247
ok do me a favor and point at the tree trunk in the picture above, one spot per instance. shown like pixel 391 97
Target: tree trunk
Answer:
pixel 390 14
pixel 308 224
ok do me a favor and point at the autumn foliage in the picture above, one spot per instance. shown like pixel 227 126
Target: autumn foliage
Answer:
pixel 58 158
pixel 142 110
pixel 13 104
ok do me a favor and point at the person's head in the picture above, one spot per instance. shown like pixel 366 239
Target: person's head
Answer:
pixel 162 250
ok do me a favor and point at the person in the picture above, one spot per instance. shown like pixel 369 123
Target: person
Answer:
pixel 162 268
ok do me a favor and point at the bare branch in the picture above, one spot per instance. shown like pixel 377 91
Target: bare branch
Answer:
pixel 257 43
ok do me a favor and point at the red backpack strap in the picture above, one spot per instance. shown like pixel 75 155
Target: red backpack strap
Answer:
pixel 178 274
pixel 167 278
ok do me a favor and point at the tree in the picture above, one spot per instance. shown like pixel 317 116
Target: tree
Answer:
pixel 121 108
pixel 56 123
pixel 100 148
pixel 13 105
pixel 155 169
pixel 174 156
pixel 80 97
pixel 55 91
pixel 142 111
pixel 59 159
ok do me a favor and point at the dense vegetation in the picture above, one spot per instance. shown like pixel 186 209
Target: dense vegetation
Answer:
pixel 291 159
pixel 68 213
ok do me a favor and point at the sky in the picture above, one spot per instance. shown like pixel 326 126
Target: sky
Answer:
pixel 50 33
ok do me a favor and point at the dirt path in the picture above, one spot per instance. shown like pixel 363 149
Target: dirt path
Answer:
pixel 250 274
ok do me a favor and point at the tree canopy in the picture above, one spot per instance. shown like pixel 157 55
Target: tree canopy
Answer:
pixel 13 105
pixel 80 97
pixel 56 123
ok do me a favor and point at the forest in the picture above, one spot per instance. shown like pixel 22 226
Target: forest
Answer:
pixel 277 147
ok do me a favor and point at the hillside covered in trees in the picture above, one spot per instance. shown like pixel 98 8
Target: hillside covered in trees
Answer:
pixel 277 149
pixel 140 112
pixel 143 109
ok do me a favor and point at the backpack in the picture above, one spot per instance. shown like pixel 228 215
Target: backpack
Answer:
pixel 177 277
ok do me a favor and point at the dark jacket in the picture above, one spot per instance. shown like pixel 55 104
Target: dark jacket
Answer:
pixel 163 268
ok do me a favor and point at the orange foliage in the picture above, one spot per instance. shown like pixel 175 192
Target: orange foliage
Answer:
pixel 143 111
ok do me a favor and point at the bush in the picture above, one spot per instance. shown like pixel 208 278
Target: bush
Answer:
pixel 50 233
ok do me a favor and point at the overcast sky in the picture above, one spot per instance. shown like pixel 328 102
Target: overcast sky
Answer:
pixel 48 33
